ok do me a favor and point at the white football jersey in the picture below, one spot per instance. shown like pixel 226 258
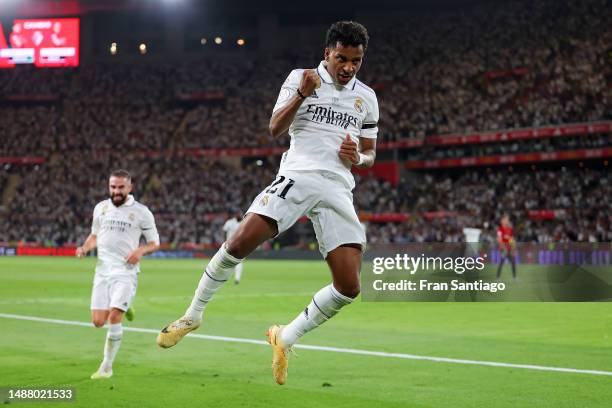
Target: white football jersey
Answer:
pixel 230 227
pixel 323 121
pixel 118 231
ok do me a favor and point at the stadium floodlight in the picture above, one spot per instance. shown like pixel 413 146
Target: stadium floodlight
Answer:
pixel 218 40
pixel 241 42
pixel 203 40
pixel 142 48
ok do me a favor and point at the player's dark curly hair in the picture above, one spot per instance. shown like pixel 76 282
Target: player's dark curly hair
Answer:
pixel 347 33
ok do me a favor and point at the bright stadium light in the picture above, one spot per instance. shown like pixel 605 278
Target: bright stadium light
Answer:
pixel 203 40
pixel 218 40
pixel 142 48
pixel 113 48
pixel 241 42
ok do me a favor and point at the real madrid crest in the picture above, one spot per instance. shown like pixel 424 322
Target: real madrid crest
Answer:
pixel 264 200
pixel 132 216
pixel 359 105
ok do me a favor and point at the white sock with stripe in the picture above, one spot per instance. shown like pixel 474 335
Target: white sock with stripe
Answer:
pixel 217 272
pixel 111 347
pixel 325 304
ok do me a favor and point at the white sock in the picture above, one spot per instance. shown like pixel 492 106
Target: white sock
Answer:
pixel 324 305
pixel 238 273
pixel 113 341
pixel 217 272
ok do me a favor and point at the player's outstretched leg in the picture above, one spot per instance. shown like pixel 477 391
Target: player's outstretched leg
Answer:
pixel 253 230
pixel 216 274
pixel 111 346
pixel 345 263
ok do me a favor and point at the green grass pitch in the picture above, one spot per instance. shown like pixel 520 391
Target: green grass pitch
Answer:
pixel 200 372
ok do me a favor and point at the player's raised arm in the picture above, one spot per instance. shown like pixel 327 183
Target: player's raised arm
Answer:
pixel 290 99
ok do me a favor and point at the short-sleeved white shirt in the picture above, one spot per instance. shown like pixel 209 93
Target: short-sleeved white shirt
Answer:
pixel 118 231
pixel 323 121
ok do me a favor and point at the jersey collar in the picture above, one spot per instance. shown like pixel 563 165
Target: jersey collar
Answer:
pixel 325 77
pixel 130 201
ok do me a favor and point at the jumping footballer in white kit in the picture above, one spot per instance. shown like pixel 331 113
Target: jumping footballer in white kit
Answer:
pixel 332 119
pixel 117 226
pixel 230 227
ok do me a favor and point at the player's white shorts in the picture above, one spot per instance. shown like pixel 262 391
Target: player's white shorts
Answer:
pixel 113 291
pixel 320 195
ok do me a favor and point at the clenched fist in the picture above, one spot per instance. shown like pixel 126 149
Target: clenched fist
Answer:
pixel 310 81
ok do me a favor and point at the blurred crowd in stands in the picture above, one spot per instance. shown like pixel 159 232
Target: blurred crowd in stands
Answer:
pixel 538 145
pixel 499 66
pixel 443 203
pixel 191 197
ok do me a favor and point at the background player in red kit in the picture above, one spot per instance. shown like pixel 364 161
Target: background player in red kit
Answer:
pixel 505 239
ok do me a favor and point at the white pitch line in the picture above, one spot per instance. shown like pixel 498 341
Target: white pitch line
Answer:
pixel 331 349
pixel 82 300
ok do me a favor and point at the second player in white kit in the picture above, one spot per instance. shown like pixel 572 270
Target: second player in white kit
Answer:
pixel 117 226
pixel 332 119
pixel 118 231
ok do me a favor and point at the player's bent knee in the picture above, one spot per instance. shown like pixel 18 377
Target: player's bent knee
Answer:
pixel 98 322
pixel 236 247
pixel 254 230
pixel 98 317
pixel 115 316
pixel 351 291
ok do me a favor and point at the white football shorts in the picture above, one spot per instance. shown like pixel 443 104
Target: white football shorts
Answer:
pixel 323 197
pixel 113 291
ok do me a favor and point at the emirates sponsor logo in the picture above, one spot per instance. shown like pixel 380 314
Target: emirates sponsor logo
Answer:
pixel 327 115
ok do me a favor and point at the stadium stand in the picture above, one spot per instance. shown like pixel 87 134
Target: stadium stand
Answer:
pixel 501 67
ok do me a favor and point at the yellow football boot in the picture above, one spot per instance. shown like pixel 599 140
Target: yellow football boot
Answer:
pixel 102 374
pixel 279 354
pixel 175 331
